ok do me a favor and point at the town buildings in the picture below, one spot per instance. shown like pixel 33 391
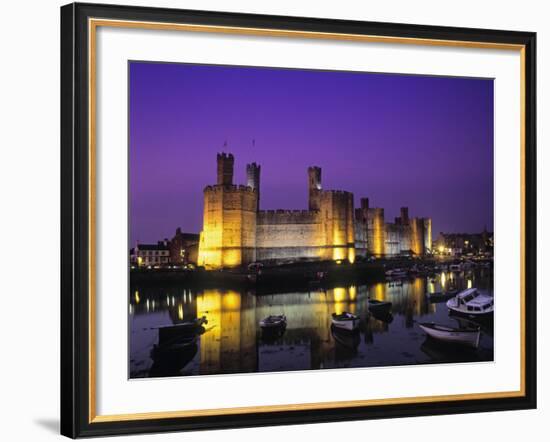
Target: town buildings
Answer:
pixel 458 244
pixel 152 255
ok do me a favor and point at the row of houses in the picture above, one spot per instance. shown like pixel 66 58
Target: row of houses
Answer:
pixel 181 250
pixel 460 244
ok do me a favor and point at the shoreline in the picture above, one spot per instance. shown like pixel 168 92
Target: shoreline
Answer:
pixel 296 276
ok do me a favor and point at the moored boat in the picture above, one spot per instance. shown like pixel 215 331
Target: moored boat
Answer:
pixel 472 303
pixel 345 339
pixel 345 321
pixel 468 336
pixel 174 331
pixel 175 344
pixel 396 273
pixel 379 307
pixel 440 296
pixel 273 322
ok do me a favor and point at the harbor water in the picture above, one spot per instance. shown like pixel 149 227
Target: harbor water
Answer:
pixel 232 341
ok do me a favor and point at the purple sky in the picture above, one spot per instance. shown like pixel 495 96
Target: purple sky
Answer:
pixel 401 140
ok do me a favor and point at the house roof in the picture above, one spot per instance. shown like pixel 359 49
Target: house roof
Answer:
pixel 160 246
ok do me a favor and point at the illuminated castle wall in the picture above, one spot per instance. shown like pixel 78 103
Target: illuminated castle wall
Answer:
pixel 236 232
pixel 404 236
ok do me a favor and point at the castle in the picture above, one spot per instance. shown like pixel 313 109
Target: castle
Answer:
pixel 236 232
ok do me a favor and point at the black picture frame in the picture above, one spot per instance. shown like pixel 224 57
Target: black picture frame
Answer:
pixel 75 221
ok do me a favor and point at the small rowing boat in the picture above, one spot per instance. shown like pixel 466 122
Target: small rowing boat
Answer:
pixel 174 331
pixel 468 336
pixel 379 307
pixel 345 321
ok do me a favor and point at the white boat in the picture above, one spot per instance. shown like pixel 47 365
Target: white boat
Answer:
pixel 472 303
pixel 396 273
pixel 345 321
pixel 463 336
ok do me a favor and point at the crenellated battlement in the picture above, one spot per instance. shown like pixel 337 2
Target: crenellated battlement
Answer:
pixel 287 217
pixel 338 192
pixel 229 188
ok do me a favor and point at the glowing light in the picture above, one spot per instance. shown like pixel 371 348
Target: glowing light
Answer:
pixel 469 283
pixel 231 301
pixel 136 296
pixel 351 255
pixel 140 260
pixel 379 291
pixel 441 249
pixel 339 294
pixel 180 312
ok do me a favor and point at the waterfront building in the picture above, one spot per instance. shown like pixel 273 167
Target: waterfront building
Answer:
pixel 150 255
pixel 236 232
pixel 457 244
pixel 184 248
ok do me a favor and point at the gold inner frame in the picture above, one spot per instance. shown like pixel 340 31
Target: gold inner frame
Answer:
pixel 93 24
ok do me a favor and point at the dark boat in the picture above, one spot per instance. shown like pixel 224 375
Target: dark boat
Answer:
pixel 170 360
pixel 379 307
pixel 174 345
pixel 273 322
pixel 348 340
pixel 383 316
pixel 175 331
pixel 440 296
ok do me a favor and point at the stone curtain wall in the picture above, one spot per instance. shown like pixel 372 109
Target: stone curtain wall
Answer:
pixel 288 234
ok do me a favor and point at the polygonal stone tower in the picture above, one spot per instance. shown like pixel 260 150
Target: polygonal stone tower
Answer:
pixel 314 186
pixel 225 168
pixel 253 179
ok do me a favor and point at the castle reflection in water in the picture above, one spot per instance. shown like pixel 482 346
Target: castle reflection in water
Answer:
pixel 233 342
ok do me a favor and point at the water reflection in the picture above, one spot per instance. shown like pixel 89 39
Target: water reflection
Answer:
pixel 233 342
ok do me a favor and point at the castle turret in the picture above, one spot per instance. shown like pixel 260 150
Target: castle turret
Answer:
pixel 405 216
pixel 225 168
pixel 314 186
pixel 253 179
pixel 228 237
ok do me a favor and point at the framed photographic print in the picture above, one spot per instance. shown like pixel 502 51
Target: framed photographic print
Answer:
pixel 278 220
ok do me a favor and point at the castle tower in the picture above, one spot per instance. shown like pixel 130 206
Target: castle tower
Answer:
pixel 314 186
pixel 253 179
pixel 405 216
pixel 228 237
pixel 427 234
pixel 225 168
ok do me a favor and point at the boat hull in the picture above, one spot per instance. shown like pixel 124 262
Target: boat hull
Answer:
pixel 348 324
pixel 468 338
pixel 381 307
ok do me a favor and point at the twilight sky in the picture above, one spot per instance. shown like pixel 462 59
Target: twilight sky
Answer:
pixel 401 140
